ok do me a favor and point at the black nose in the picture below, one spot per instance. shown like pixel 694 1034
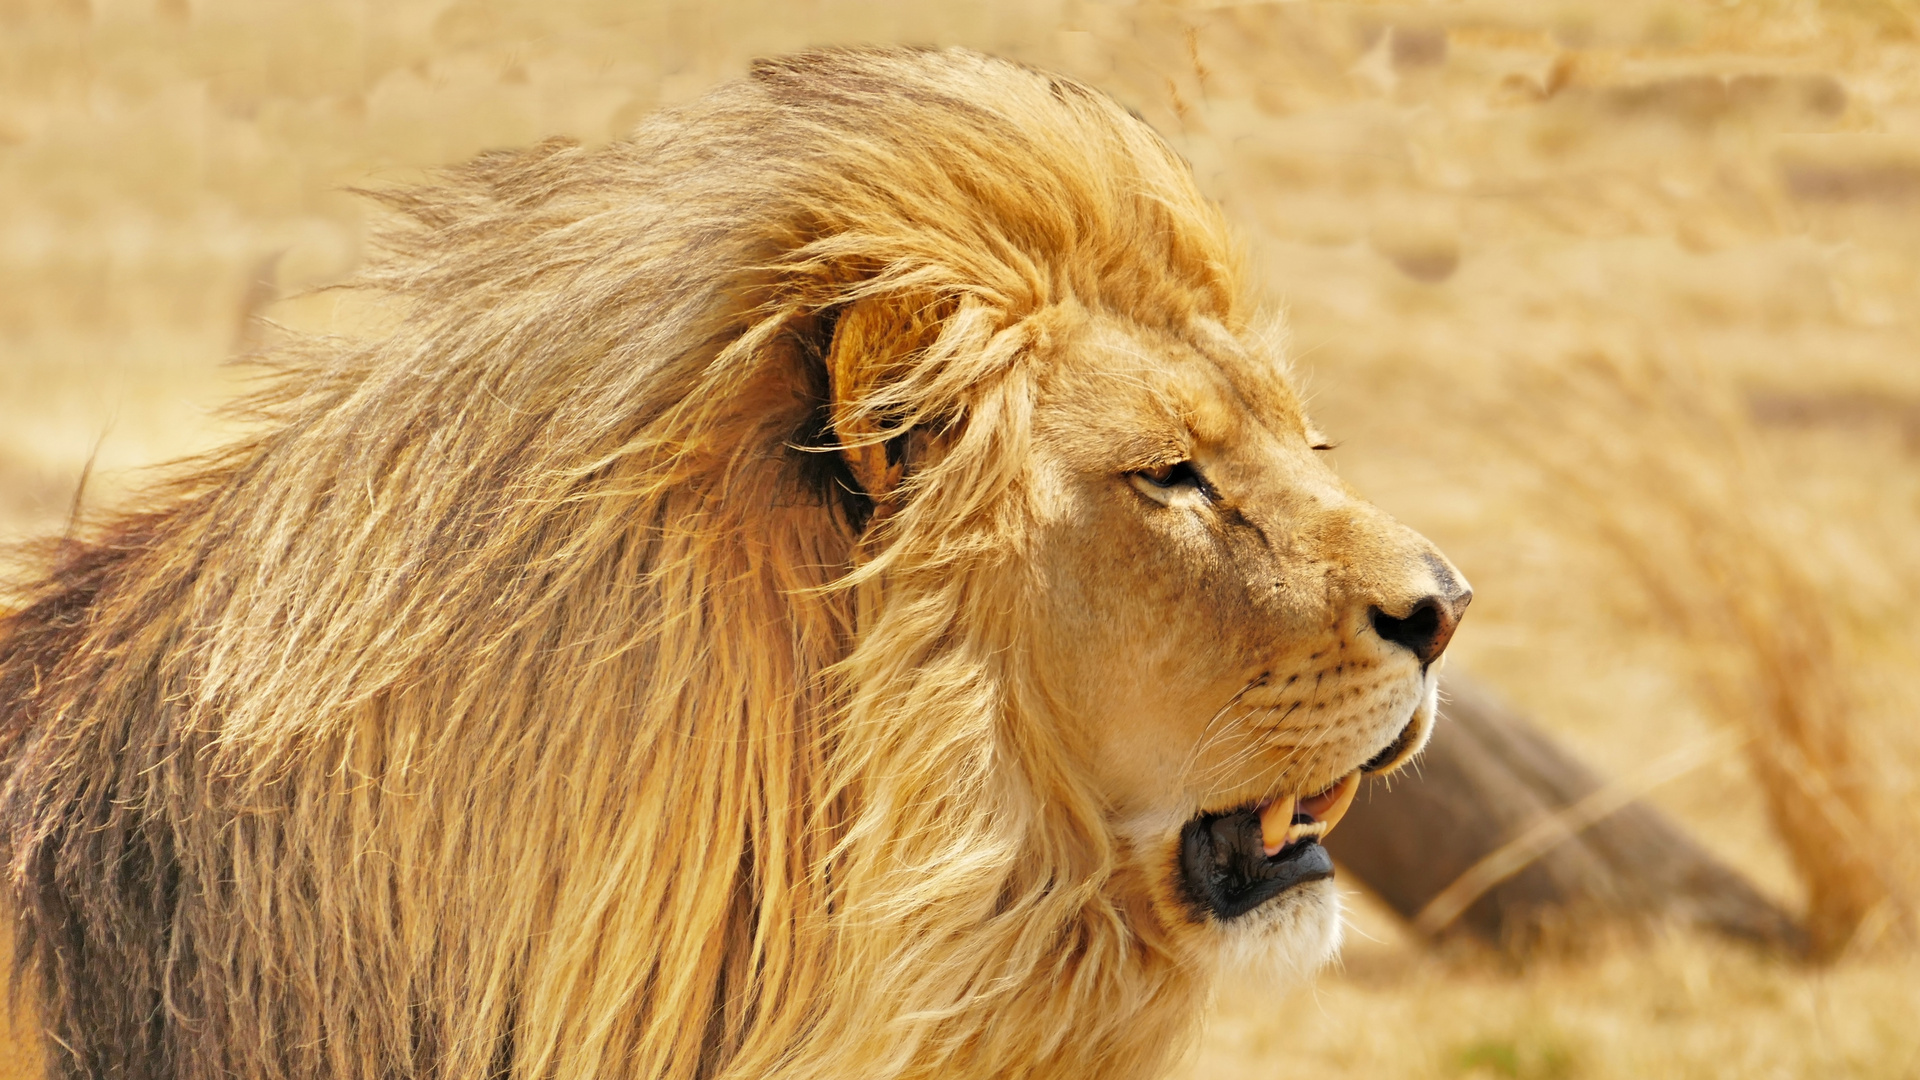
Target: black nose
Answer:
pixel 1426 629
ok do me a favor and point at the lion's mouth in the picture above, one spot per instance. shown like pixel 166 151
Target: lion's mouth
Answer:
pixel 1231 863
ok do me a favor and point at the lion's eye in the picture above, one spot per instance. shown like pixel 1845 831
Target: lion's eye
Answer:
pixel 1177 474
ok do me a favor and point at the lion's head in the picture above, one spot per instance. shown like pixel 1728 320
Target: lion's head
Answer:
pixel 1229 636
pixel 834 585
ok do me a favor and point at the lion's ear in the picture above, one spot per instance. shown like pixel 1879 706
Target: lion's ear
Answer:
pixel 872 341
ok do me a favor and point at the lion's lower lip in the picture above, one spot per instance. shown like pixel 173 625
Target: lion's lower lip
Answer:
pixel 1226 871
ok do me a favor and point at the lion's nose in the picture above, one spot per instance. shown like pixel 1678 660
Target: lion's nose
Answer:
pixel 1426 629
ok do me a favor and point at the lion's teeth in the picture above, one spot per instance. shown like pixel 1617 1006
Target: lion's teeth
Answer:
pixel 1276 825
pixel 1299 832
pixel 1328 807
pixel 1323 812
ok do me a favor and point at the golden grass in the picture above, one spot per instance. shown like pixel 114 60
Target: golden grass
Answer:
pixel 1659 465
pixel 1685 1008
pixel 1618 301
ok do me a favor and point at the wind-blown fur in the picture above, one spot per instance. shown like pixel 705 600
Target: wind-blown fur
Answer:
pixel 539 694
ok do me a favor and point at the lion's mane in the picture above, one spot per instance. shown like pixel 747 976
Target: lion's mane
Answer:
pixel 540 692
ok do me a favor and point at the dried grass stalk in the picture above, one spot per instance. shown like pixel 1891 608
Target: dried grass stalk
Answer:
pixel 1655 460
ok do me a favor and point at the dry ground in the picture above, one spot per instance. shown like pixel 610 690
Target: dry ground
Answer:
pixel 1572 282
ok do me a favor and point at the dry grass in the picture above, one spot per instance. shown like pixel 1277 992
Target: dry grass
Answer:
pixel 1618 301
pixel 1659 465
pixel 1686 1009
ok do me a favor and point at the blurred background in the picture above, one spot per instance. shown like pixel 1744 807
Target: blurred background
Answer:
pixel 1617 300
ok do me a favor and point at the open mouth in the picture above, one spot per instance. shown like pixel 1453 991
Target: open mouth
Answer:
pixel 1233 862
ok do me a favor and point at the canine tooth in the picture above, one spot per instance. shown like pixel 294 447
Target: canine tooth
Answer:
pixel 1331 805
pixel 1276 824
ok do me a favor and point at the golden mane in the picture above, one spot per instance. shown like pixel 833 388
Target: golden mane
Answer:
pixel 569 681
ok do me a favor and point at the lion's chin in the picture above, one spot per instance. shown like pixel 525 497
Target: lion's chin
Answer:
pixel 1284 941
pixel 1271 909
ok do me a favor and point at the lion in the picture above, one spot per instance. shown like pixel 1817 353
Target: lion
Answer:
pixel 838 584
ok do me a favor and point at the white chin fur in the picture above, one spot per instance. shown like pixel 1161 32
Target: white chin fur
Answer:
pixel 1423 713
pixel 1286 940
pixel 1421 721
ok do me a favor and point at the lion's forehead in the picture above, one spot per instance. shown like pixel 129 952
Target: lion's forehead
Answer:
pixel 1197 385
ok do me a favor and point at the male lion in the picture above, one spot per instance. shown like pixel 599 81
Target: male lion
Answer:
pixel 829 587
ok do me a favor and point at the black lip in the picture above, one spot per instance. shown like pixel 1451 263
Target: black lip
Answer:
pixel 1226 873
